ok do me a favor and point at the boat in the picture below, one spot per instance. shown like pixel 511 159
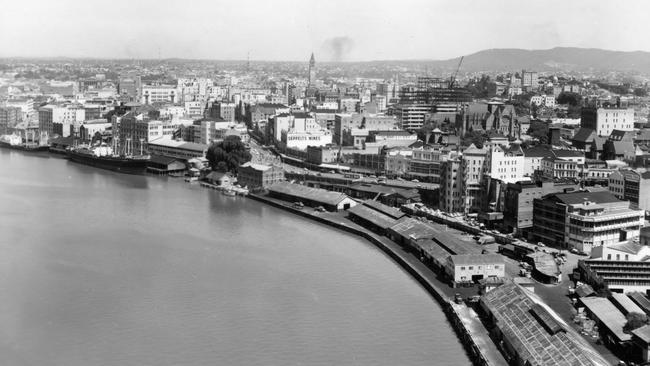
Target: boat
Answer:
pixel 16 142
pixel 102 156
pixel 228 192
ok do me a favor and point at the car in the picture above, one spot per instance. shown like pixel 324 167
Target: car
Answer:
pixel 540 244
pixel 458 299
pixel 320 209
pixel 574 250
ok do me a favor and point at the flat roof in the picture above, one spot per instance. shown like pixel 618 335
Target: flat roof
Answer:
pixel 608 314
pixel 512 308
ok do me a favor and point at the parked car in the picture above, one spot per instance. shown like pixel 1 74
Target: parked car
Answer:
pixel 458 299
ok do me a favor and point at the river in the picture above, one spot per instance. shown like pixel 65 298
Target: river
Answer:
pixel 100 268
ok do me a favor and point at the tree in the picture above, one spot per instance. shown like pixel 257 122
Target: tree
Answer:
pixel 640 92
pixel 572 99
pixel 634 321
pixel 474 137
pixel 538 129
pixel 228 154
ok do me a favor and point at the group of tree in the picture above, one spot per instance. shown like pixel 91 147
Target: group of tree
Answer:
pixel 228 155
pixel 572 99
pixel 476 137
pixel 634 321
pixel 539 130
pixel 479 88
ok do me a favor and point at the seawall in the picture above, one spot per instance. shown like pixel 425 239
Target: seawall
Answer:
pixel 478 354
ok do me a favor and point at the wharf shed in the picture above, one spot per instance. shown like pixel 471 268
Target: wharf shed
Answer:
pixel 641 301
pixel 531 333
pixel 314 197
pixel 431 253
pixel 609 317
pixel 163 165
pixel 369 218
pixel 625 304
pixel 407 229
pixel 393 212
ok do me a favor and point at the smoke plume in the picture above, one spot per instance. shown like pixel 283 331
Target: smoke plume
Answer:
pixel 338 48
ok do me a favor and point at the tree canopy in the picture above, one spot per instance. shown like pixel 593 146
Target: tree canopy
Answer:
pixel 572 99
pixel 634 321
pixel 477 138
pixel 228 155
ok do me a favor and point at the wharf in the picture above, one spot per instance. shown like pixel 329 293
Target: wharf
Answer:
pixel 468 327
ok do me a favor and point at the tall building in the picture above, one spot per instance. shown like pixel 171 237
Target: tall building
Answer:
pixel 584 220
pixel 312 70
pixel 606 120
pixel 631 186
pixel 529 79
pixel 9 117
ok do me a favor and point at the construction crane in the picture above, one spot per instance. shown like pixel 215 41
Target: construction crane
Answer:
pixel 453 77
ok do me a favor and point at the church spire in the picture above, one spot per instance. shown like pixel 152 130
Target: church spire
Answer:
pixel 312 61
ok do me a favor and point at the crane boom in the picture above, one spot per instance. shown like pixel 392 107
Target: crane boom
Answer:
pixel 453 77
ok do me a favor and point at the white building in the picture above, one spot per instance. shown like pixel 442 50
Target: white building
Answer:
pixel 473 267
pixel 606 120
pixel 507 165
pixel 159 94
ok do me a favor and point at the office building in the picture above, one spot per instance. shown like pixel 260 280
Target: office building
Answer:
pixel 606 120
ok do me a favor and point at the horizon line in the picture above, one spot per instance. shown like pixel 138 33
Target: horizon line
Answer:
pixel 306 59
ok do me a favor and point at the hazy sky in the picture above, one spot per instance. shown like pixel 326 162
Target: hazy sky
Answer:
pixel 292 29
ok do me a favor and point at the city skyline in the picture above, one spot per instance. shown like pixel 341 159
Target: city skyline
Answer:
pixel 383 31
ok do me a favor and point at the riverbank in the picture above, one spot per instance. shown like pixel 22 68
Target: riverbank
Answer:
pixel 471 332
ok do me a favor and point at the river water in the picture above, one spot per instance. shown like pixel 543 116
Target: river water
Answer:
pixel 100 268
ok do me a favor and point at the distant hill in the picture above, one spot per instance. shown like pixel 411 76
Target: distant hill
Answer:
pixel 559 58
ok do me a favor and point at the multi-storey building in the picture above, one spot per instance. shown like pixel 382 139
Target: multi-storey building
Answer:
pixel 9 117
pixel 474 164
pixel 256 176
pixel 506 164
pixel 158 93
pixel 411 116
pixel 451 185
pixel 584 220
pixel 518 203
pixel 606 120
pixel 529 79
pixel 633 186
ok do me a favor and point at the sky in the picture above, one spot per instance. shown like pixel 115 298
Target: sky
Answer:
pixel 335 30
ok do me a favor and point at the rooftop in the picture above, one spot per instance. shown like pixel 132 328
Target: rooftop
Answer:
pixel 574 198
pixel 312 194
pixel 477 259
pixel 608 314
pixel 525 322
pixel 626 304
pixel 166 142
pixel 375 217
pixel 393 212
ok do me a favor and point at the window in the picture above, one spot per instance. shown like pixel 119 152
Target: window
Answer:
pixel 462 268
pixel 471 268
